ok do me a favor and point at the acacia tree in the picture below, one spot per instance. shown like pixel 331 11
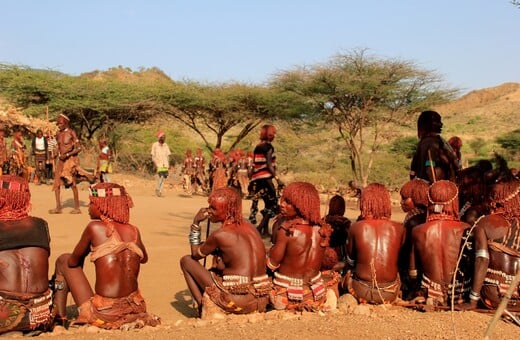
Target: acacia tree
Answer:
pixel 92 104
pixel 364 96
pixel 227 110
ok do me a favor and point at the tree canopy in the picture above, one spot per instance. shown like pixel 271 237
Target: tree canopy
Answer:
pixel 363 96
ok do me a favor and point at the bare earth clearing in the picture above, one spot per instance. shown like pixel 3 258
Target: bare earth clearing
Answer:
pixel 164 224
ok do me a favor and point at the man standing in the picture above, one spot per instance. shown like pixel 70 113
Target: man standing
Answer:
pixel 373 248
pixel 25 297
pixel 117 251
pixel 104 161
pixel 434 158
pixel 188 173
pixel 52 146
pixel 68 169
pixel 201 181
pixel 161 159
pixel 436 247
pixel 261 184
pixel 39 148
pixel 298 251
pixel 239 283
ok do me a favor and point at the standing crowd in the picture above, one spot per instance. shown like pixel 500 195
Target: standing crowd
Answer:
pixel 459 244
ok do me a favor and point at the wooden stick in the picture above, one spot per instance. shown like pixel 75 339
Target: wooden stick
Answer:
pixel 207 234
pixel 431 166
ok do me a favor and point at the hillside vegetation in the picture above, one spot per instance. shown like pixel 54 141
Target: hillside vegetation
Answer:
pixel 316 153
pixel 307 150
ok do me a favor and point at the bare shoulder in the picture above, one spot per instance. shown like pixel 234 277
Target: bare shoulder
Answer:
pixel 494 226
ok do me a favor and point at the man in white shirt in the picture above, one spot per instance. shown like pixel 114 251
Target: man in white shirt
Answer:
pixel 161 159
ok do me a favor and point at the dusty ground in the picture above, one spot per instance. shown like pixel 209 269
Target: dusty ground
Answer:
pixel 164 224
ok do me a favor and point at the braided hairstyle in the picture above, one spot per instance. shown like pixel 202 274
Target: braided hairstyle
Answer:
pixel 15 198
pixel 375 202
pixel 417 190
pixel 233 202
pixel 116 205
pixel 305 199
pixel 506 195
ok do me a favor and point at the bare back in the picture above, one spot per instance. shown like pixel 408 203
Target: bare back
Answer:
pixel 116 272
pixel 24 270
pixel 301 252
pixel 438 244
pixel 24 255
pixel 375 245
pixel 234 243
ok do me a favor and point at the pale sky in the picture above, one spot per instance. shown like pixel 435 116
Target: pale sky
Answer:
pixel 473 44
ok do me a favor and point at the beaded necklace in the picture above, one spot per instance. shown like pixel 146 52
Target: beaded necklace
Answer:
pixel 442 216
pixel 412 213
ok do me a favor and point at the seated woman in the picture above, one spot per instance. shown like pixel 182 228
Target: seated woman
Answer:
pixel 117 253
pixel 497 249
pixel 25 297
pixel 298 252
pixel 238 283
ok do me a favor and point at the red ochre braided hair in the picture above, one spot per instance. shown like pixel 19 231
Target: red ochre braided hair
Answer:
pixel 375 202
pixel 15 198
pixel 417 190
pixel 506 195
pixel 444 198
pixel 112 201
pixel 305 199
pixel 233 203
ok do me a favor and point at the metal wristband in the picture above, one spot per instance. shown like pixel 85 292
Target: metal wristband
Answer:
pixel 474 296
pixel 195 227
pixel 482 253
pixel 194 237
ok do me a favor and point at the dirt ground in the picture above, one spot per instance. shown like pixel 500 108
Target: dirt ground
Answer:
pixel 164 223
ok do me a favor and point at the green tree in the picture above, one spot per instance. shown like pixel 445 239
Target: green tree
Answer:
pixel 511 143
pixel 92 103
pixel 217 111
pixel 404 146
pixel 365 97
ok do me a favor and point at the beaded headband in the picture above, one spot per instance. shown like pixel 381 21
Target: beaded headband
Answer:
pixel 10 185
pixel 438 207
pixel 63 116
pixel 448 201
pixel 104 192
